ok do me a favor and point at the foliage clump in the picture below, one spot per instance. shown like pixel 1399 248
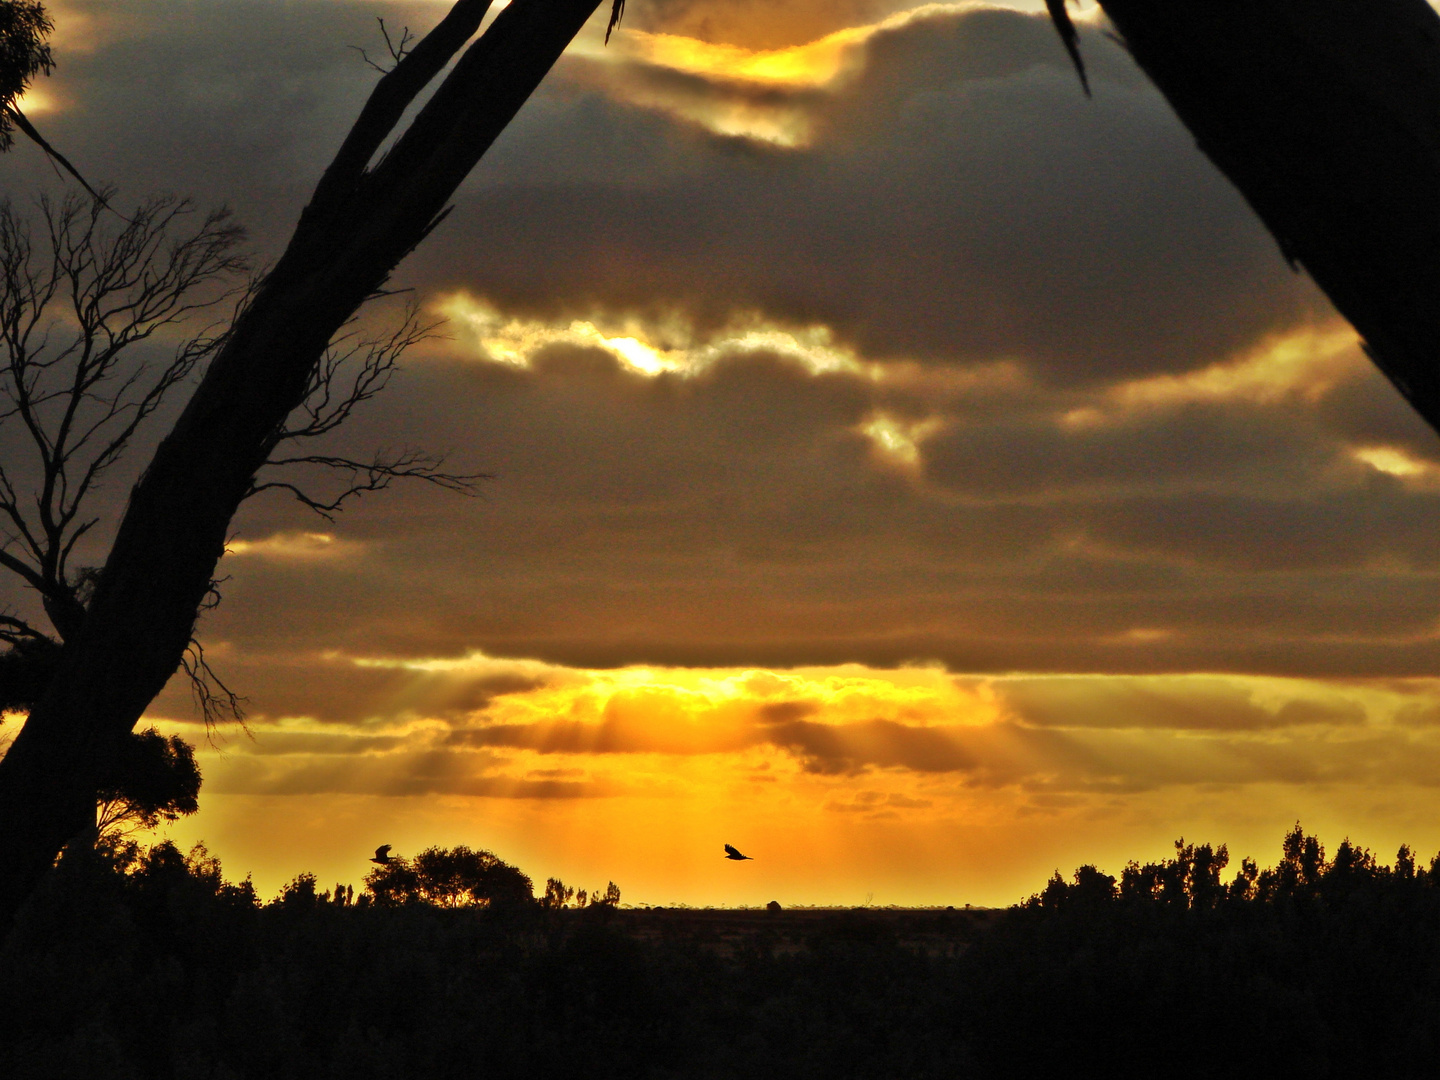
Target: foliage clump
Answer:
pixel 1318 965
pixel 24 53
pixel 154 779
pixel 449 878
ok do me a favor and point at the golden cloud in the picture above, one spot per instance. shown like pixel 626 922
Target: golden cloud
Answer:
pixel 1305 363
pixel 691 729
pixel 643 346
pixel 815 63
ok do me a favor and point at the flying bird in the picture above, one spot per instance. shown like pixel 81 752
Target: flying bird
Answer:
pixel 731 853
pixel 382 855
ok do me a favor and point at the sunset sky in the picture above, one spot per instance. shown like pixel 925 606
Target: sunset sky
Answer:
pixel 906 469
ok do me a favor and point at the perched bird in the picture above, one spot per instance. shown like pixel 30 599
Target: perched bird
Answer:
pixel 731 853
pixel 382 855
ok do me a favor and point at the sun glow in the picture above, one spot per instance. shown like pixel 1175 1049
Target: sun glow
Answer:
pixel 37 102
pixel 817 63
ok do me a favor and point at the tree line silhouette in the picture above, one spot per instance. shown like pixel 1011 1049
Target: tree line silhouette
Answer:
pixel 148 962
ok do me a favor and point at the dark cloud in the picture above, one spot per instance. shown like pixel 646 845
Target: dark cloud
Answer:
pixel 1376 523
pixel 1194 704
pixel 780 712
pixel 1363 410
pixel 1232 445
pixel 740 516
pixel 850 748
pixel 278 742
pixel 231 102
pixel 961 201
pixel 443 772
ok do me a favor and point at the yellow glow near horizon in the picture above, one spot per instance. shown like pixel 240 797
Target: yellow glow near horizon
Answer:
pixel 916 784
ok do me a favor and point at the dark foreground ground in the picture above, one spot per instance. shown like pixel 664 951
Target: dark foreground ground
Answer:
pixel 161 969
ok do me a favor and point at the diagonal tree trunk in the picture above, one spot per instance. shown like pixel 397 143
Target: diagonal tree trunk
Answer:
pixel 1326 115
pixel 360 224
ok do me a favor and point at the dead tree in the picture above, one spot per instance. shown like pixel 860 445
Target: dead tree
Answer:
pixel 1326 115
pixel 365 215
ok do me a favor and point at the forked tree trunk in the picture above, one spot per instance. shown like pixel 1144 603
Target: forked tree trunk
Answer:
pixel 360 223
pixel 1326 115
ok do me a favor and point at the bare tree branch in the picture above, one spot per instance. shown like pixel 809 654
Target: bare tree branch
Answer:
pixel 214 700
pixel 376 475
pixel 397 52
pixel 350 372
pixel 14 630
pixel 20 120
pixel 76 306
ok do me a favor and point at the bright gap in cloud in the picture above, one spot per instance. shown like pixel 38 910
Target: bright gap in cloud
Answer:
pixel 294 547
pixel 1305 362
pixel 645 348
pixel 738 92
pixel 1393 461
pixel 897 439
pixel 814 64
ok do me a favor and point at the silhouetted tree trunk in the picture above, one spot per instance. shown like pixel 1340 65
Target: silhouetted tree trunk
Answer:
pixel 361 221
pixel 1326 115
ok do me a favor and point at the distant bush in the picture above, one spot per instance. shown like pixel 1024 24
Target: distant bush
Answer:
pixel 559 895
pixel 449 877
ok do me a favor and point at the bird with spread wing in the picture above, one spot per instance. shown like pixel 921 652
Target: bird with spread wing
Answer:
pixel 732 853
pixel 382 855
